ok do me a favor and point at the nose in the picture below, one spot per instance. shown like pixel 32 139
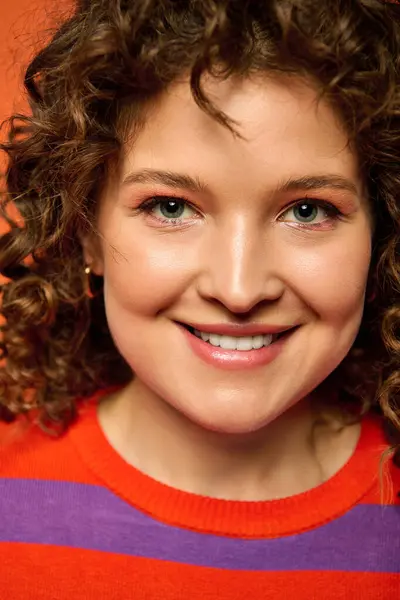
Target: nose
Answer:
pixel 240 267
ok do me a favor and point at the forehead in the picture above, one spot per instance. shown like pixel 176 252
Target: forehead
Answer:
pixel 284 130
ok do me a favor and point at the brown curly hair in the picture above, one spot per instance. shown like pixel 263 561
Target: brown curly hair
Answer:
pixel 87 88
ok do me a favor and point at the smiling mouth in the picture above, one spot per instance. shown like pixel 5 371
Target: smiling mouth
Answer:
pixel 243 343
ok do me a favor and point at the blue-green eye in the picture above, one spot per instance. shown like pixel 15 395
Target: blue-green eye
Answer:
pixel 309 212
pixel 305 212
pixel 171 208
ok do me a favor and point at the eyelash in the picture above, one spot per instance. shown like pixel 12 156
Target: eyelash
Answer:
pixel 333 213
pixel 148 206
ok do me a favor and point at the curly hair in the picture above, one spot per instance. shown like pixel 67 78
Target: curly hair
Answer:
pixel 91 84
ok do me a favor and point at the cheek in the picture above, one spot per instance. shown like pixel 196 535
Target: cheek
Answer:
pixel 147 275
pixel 332 278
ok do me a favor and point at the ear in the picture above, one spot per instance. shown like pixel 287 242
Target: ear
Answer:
pixel 93 254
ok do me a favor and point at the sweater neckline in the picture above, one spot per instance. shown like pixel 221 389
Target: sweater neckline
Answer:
pixel 246 519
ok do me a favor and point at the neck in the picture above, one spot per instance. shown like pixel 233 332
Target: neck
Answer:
pixel 294 453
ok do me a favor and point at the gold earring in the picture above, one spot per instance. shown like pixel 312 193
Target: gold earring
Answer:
pixel 89 292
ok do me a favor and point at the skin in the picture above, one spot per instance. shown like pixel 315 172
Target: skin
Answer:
pixel 239 255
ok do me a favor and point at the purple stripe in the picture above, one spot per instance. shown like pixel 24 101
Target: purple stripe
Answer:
pixel 367 538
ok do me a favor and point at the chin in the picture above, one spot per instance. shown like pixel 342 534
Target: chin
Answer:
pixel 231 421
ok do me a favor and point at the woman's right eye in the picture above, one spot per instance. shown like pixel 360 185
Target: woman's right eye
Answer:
pixel 169 210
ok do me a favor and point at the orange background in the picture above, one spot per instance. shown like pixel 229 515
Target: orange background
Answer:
pixel 19 24
pixel 24 25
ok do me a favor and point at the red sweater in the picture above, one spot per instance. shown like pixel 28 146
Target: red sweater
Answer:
pixel 78 522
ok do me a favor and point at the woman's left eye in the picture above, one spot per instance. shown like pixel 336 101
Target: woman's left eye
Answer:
pixel 308 212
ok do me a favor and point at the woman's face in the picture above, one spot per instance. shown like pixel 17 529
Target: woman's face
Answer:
pixel 212 244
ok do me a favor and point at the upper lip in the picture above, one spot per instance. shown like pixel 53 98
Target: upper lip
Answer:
pixel 239 329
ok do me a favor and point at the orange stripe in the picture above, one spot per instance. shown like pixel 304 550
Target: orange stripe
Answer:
pixel 26 452
pixel 30 571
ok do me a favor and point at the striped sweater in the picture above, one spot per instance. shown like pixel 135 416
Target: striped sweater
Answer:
pixel 78 522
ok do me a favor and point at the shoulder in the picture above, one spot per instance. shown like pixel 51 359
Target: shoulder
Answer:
pixel 375 445
pixel 28 452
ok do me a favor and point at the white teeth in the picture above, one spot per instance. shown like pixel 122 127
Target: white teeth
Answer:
pixel 268 339
pixel 215 339
pixel 229 342
pixel 244 343
pixel 258 342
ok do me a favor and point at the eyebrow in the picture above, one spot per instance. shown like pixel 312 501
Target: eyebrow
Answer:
pixel 319 182
pixel 193 184
pixel 168 178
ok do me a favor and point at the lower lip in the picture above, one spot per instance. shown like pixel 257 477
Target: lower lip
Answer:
pixel 233 360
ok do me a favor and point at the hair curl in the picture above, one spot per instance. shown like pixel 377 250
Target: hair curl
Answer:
pixel 95 77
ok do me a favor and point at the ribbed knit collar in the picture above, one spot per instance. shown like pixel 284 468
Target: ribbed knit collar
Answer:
pixel 272 518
